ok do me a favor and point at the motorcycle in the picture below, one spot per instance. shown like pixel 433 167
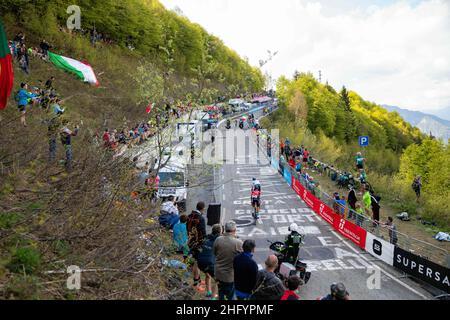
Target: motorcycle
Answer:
pixel 286 269
pixel 228 126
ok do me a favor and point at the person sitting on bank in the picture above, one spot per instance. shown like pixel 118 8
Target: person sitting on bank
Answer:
pixel 169 215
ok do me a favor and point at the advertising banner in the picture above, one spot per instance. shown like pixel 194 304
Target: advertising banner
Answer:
pixel 326 212
pixel 318 206
pixel 275 164
pixel 281 168
pixel 351 231
pixel 287 176
pixel 420 268
pixel 380 249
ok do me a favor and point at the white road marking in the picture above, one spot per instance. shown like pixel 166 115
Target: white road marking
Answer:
pixel 377 266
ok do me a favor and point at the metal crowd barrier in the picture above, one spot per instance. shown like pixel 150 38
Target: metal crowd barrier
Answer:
pixel 418 247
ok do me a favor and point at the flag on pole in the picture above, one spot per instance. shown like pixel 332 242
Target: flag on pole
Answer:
pixel 6 69
pixel 150 107
pixel 80 69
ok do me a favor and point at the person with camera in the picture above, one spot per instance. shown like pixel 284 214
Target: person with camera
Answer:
pixel 338 292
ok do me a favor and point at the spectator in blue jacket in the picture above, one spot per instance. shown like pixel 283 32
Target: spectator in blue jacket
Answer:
pixel 22 98
pixel 245 271
pixel 180 236
pixel 206 260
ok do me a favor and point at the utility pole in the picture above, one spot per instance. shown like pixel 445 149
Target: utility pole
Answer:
pixel 320 76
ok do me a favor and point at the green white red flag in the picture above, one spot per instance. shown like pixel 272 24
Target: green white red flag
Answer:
pixel 6 69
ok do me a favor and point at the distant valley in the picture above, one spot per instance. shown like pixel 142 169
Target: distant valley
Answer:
pixel 440 128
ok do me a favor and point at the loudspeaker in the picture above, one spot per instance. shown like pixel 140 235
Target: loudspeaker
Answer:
pixel 213 213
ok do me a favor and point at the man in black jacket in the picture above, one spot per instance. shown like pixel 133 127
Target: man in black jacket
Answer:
pixel 245 271
pixel 352 199
pixel 196 228
pixel 268 285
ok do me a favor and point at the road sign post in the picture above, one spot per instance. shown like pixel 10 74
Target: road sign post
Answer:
pixel 364 141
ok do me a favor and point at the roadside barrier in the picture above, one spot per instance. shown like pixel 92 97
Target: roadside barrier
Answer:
pixel 414 257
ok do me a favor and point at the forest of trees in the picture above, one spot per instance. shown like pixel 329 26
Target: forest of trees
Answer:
pixel 51 219
pixel 329 124
pixel 146 25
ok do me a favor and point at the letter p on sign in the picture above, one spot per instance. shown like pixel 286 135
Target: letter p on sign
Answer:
pixel 364 141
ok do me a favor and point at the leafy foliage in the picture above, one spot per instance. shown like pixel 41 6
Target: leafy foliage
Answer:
pixel 145 24
pixel 25 259
pixel 431 160
pixel 345 115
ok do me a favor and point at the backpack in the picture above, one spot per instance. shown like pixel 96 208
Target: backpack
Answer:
pixel 193 232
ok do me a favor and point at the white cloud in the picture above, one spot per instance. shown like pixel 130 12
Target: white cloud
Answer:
pixel 394 53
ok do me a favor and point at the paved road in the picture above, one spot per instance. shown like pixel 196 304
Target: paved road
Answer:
pixel 329 256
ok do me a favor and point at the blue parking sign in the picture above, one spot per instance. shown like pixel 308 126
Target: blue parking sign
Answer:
pixel 364 141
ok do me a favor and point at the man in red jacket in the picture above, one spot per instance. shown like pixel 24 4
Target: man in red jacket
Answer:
pixel 293 283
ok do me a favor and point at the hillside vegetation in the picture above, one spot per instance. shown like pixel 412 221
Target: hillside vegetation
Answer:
pixel 155 33
pixel 51 219
pixel 329 123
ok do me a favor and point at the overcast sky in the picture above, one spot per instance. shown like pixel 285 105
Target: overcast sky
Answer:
pixel 391 52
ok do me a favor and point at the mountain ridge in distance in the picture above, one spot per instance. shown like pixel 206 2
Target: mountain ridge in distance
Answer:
pixel 440 128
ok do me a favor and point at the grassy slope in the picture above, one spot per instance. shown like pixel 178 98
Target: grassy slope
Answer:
pixel 326 150
pixel 26 216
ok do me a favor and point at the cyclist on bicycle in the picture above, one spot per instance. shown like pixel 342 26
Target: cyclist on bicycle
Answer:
pixel 256 200
pixel 256 183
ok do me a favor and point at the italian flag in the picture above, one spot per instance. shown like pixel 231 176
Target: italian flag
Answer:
pixel 82 70
pixel 6 69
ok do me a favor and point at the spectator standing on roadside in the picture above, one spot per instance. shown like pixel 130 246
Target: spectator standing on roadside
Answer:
pixel 293 283
pixel 367 200
pixel 196 227
pixel 207 260
pixel 66 140
pixel 268 285
pixel 352 199
pixel 245 271
pixel 375 203
pixel 180 237
pixel 305 158
pixel 359 161
pixel 338 292
pixel 360 215
pixel 22 98
pixel 226 248
pixel 417 186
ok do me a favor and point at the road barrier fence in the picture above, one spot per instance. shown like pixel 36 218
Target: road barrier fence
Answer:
pixel 414 257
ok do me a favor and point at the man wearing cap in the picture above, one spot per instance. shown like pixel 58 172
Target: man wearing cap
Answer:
pixel 338 292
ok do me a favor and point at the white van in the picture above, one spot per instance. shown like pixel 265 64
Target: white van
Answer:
pixel 238 105
pixel 173 177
